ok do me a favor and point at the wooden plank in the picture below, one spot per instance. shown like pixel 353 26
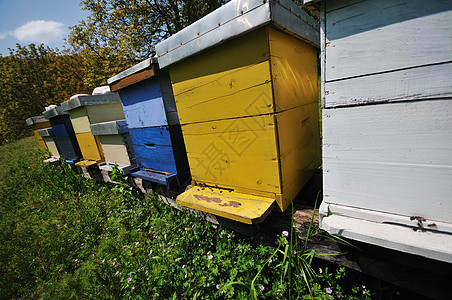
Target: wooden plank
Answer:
pixel 79 119
pixel 244 208
pixel 293 71
pixel 299 149
pixel 418 32
pixel 114 149
pixel 427 82
pixel 394 157
pixel 51 145
pixel 158 136
pixel 240 77
pixel 89 146
pixel 143 104
pixel 105 113
pixel 42 125
pixel 153 148
pixel 241 153
pixel 132 79
pixel 69 150
pixel 244 91
pixel 168 98
pixel 41 142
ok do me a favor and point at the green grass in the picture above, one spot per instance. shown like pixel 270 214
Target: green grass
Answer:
pixel 65 237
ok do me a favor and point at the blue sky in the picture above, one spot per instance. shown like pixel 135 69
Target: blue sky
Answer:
pixel 37 21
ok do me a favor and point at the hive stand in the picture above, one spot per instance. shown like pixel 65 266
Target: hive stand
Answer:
pixel 36 123
pixel 64 134
pixel 154 128
pixel 245 82
pixel 90 109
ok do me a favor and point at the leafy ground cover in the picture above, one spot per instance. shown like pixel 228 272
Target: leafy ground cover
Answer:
pixel 66 237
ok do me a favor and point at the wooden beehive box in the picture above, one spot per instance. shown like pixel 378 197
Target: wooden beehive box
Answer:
pixel 154 128
pixel 90 109
pixel 64 134
pixel 36 123
pixel 245 82
pixel 387 126
pixel 115 141
pixel 49 138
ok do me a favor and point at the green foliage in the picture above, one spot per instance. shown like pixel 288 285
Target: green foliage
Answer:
pixel 65 237
pixel 118 34
pixel 33 77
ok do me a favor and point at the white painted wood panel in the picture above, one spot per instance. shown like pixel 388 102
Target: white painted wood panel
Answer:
pixel 381 35
pixel 428 82
pixel 392 157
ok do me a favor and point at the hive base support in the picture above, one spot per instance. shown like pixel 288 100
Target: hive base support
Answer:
pixel 125 169
pixel 240 207
pixel 52 160
pixel 159 178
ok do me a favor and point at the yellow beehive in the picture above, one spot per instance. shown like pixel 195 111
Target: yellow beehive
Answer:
pixel 248 108
pixel 36 123
pixel 90 109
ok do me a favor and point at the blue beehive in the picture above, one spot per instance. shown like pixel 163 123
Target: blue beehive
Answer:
pixel 64 134
pixel 155 132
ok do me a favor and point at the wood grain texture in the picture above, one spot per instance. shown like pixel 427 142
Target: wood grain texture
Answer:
pixel 427 82
pixel 299 148
pixel 240 153
pixel 244 91
pixel 153 148
pixel 51 145
pixel 226 81
pixel 114 149
pixel 89 146
pixel 132 79
pixel 143 104
pixel 293 71
pixel 394 157
pixel 369 37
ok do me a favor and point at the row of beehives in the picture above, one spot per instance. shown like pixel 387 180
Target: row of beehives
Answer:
pixel 230 101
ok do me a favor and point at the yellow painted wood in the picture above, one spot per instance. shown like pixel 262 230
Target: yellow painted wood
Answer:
pixel 42 125
pixel 89 146
pixel 240 153
pixel 79 119
pixel 234 93
pixel 41 142
pixel 114 149
pixel 104 113
pixel 86 163
pixel 249 115
pixel 229 204
pixel 299 148
pixel 51 145
pixel 228 81
pixel 294 70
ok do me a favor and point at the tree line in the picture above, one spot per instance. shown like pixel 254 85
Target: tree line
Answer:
pixel 116 35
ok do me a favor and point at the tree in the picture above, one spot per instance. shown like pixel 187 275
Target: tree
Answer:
pixel 33 77
pixel 120 33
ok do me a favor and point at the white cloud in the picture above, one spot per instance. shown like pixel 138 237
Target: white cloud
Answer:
pixel 3 35
pixel 39 31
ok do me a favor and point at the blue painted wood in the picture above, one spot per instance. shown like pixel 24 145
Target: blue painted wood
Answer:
pixel 143 104
pixel 154 177
pixel 153 148
pixel 65 137
pixel 159 136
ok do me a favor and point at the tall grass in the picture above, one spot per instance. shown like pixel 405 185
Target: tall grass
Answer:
pixel 65 237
